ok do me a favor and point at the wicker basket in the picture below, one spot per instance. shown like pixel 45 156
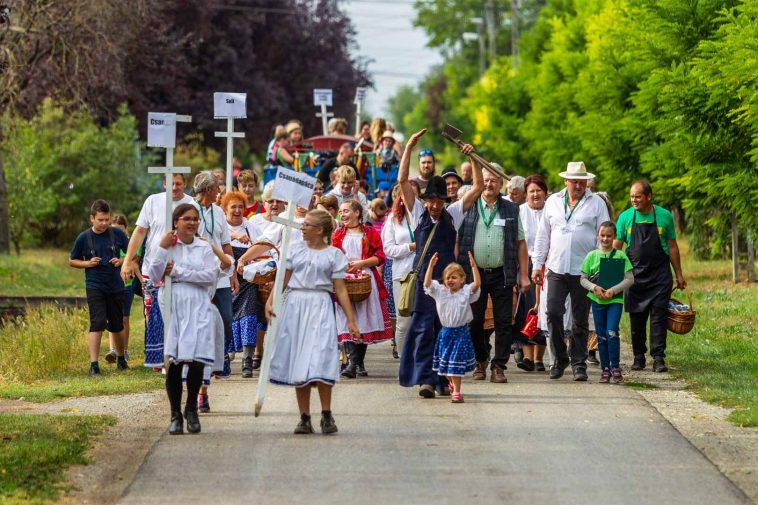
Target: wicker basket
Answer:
pixel 358 289
pixel 681 322
pixel 262 280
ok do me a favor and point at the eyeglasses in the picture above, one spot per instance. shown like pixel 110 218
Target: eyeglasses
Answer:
pixel 190 219
pixel 426 152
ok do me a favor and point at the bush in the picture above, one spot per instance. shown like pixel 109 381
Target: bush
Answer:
pixel 48 343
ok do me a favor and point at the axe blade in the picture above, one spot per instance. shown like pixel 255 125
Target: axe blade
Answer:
pixel 451 131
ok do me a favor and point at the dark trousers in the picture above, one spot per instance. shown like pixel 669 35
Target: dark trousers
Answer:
pixel 658 328
pixel 418 352
pixel 223 302
pixel 356 352
pixel 559 287
pixel 174 384
pixel 493 281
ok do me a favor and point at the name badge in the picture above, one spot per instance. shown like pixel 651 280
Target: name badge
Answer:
pixel 499 222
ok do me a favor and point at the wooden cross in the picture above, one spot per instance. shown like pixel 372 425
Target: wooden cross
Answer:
pixel 230 135
pixel 324 115
pixel 290 224
pixel 169 170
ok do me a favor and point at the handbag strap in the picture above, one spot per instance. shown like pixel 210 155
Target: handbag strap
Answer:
pixel 426 248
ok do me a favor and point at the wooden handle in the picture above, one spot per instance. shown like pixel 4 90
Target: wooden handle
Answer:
pixel 486 164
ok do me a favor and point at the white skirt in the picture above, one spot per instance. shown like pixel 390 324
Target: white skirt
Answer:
pixel 370 316
pixel 306 348
pixel 193 331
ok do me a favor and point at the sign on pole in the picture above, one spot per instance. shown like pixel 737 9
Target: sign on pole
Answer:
pixel 161 132
pixel 294 186
pixel 360 95
pixel 229 106
pixel 161 129
pixel 323 98
pixel 297 189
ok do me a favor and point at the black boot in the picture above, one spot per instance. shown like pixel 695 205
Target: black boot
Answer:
pixel 659 365
pixel 304 427
pixel 177 424
pixel 247 367
pixel 639 362
pixel 193 421
pixel 328 425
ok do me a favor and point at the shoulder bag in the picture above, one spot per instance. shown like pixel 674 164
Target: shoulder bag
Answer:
pixel 408 283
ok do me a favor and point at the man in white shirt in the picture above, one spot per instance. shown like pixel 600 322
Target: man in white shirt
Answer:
pixel 151 223
pixel 565 235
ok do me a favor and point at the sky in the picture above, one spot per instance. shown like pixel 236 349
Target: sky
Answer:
pixel 386 35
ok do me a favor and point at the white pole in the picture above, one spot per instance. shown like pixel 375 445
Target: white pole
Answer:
pixel 277 306
pixel 229 152
pixel 324 120
pixel 357 118
pixel 166 309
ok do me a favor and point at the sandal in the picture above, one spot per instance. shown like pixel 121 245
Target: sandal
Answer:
pixel 456 397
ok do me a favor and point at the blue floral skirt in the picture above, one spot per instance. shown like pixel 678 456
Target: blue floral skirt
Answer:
pixel 153 329
pixel 387 278
pixel 453 352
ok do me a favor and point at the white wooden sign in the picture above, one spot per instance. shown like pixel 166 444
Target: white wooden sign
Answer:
pixel 161 129
pixel 294 186
pixel 322 97
pixel 229 105
pixel 360 96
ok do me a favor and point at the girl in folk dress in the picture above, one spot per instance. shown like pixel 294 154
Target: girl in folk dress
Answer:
pixel 453 350
pixel 363 248
pixel 191 342
pixel 306 350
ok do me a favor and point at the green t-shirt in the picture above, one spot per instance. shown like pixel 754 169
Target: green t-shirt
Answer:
pixel 664 219
pixel 591 265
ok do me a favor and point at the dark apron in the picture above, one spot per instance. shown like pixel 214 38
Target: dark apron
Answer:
pixel 652 273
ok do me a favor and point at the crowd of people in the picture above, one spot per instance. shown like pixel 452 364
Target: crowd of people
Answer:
pixel 451 259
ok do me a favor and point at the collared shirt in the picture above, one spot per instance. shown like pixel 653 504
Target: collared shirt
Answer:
pixel 565 238
pixel 152 217
pixel 214 229
pixel 488 240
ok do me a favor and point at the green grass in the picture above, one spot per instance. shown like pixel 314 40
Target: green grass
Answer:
pixel 37 449
pixel 719 357
pixel 39 272
pixel 44 358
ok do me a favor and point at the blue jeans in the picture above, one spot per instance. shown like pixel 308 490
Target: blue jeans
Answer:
pixel 607 317
pixel 223 302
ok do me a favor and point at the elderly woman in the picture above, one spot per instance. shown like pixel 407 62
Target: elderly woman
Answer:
pixel 267 231
pixel 530 214
pixel 649 234
pixel 193 265
pixel 247 313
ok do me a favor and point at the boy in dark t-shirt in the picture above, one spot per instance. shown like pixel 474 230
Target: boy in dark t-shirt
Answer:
pixel 96 250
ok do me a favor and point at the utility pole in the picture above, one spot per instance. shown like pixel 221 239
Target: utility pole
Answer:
pixel 514 33
pixel 489 13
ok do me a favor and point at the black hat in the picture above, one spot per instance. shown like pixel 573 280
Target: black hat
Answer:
pixel 436 189
pixel 450 172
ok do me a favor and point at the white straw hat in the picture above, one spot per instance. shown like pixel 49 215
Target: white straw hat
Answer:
pixel 576 170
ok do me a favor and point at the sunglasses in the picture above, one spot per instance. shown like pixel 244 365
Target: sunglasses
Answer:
pixel 426 152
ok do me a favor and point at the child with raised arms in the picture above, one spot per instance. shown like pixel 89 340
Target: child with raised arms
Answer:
pixel 453 350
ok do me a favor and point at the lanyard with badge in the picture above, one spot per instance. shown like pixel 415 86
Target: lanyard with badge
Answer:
pixel 566 214
pixel 486 220
pixel 205 223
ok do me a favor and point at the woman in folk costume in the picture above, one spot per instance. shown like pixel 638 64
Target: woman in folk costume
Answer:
pixel 305 351
pixel 265 230
pixel 437 225
pixel 363 248
pixel 191 342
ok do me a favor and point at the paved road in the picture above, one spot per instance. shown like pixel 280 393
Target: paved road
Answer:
pixel 529 441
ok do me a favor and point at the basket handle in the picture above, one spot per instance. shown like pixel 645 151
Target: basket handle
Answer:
pixel 689 297
pixel 271 246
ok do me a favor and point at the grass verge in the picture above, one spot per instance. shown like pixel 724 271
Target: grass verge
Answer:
pixel 37 449
pixel 39 272
pixel 718 357
pixel 44 358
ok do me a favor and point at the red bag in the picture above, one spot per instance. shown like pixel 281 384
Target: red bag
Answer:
pixel 530 329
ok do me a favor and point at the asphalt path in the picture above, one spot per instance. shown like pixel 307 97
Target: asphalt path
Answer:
pixel 532 440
